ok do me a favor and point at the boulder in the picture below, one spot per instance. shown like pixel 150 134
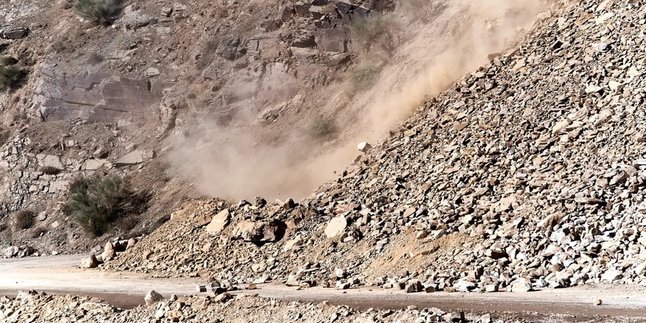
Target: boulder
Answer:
pixel 14 32
pixel 336 227
pixel 153 297
pixel 260 231
pixel 10 252
pixel 135 157
pixel 108 252
pixel 521 285
pixel 218 223
pixel 89 262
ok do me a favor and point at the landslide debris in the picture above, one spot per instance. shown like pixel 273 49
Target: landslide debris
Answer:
pixel 528 173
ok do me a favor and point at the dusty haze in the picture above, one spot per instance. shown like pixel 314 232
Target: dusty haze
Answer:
pixel 438 44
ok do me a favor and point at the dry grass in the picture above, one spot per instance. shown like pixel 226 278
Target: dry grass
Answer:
pixel 323 128
pixel 377 33
pixel 100 12
pixel 97 202
pixel 23 219
pixel 11 77
pixel 363 77
pixel 49 170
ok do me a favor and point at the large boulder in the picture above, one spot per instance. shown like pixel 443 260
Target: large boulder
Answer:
pixel 89 262
pixel 219 222
pixel 260 231
pixel 108 252
pixel 336 227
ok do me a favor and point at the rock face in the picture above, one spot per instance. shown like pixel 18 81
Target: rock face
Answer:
pixel 96 97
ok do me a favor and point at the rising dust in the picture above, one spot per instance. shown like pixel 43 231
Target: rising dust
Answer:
pixel 453 39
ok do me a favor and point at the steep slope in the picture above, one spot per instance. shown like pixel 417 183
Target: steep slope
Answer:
pixel 529 173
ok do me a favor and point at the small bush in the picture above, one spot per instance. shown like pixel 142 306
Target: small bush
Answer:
pixel 8 60
pixel 322 128
pixel 38 232
pixel 11 77
pixel 50 170
pixel 97 202
pixel 376 33
pixel 364 77
pixel 23 219
pixel 100 12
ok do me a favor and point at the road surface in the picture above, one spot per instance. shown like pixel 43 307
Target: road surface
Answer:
pixel 61 275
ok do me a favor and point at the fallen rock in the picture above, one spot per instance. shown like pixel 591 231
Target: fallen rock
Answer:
pixel 521 285
pixel 259 231
pixel 135 157
pixel 108 252
pixel 90 262
pixel 364 147
pixel 153 297
pixel 219 222
pixel 336 227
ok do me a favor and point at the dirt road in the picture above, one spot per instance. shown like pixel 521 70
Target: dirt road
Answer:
pixel 60 274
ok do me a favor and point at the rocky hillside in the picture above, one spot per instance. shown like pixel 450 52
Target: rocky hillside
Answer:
pixel 98 100
pixel 528 173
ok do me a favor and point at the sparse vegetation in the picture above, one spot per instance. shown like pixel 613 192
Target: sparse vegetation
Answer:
pixel 38 232
pixel 11 76
pixel 364 77
pixel 50 170
pixel 423 10
pixel 4 136
pixel 322 128
pixel 97 202
pixel 23 219
pixel 376 33
pixel 8 60
pixel 100 12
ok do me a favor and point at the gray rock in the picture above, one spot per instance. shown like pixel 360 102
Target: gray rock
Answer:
pixel 153 297
pixel 135 157
pixel 336 227
pixel 218 223
pixel 90 262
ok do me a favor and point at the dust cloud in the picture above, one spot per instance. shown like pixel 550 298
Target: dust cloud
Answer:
pixel 438 43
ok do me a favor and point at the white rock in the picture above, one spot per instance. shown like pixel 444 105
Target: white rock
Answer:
pixel 218 223
pixel 336 227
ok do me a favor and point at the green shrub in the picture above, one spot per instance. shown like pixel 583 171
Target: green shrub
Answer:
pixel 23 219
pixel 11 77
pixel 376 33
pixel 322 128
pixel 100 12
pixel 364 77
pixel 97 202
